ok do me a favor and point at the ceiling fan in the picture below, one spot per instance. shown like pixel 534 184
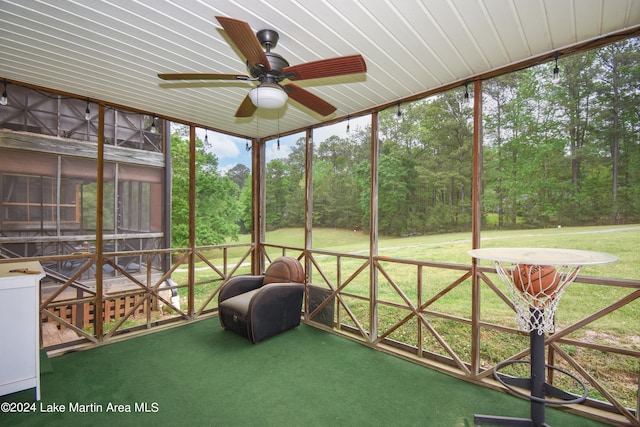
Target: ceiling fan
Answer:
pixel 270 69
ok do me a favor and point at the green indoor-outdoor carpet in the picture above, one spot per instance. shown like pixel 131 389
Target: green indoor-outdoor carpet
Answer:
pixel 45 363
pixel 201 375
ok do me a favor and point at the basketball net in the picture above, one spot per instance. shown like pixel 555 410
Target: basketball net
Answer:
pixel 535 307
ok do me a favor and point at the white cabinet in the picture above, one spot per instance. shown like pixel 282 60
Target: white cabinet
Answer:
pixel 19 327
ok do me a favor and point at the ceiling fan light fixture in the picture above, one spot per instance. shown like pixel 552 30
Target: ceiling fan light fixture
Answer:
pixel 269 96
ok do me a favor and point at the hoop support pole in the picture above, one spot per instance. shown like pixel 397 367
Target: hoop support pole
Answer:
pixel 536 384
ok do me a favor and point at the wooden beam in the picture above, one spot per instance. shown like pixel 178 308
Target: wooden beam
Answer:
pixel 68 147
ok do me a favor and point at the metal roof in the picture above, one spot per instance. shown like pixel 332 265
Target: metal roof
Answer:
pixel 112 50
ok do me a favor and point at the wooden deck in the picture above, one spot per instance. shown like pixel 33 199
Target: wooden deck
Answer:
pixel 51 335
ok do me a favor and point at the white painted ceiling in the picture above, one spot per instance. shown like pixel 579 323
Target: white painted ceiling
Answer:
pixel 111 50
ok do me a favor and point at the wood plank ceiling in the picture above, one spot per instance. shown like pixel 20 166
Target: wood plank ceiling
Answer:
pixel 112 50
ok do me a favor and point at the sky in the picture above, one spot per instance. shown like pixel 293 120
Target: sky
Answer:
pixel 231 150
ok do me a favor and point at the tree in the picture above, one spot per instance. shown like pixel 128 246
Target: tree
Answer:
pixel 335 190
pixel 564 153
pixel 617 101
pixel 217 209
pixel 445 165
pixel 246 210
pixel 239 174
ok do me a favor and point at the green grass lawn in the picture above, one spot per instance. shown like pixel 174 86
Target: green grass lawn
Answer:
pixel 622 241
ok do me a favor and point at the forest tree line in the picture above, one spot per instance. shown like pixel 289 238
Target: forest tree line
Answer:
pixel 566 153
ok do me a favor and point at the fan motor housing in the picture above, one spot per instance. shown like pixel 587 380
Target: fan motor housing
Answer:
pixel 269 39
pixel 277 63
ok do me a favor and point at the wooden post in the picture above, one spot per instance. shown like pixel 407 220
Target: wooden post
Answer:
pixel 255 204
pixel 308 212
pixel 192 220
pixel 476 215
pixel 168 184
pixel 98 305
pixel 258 205
pixel 373 231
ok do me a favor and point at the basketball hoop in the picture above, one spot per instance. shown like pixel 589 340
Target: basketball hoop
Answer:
pixel 535 291
pixel 536 279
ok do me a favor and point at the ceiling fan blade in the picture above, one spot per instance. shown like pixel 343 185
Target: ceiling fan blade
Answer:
pixel 202 76
pixel 327 68
pixel 245 40
pixel 247 108
pixel 309 100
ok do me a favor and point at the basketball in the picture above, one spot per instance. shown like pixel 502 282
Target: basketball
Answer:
pixel 536 279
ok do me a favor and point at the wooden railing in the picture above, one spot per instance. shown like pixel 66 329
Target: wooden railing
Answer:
pixel 421 311
pixel 135 295
pixel 425 312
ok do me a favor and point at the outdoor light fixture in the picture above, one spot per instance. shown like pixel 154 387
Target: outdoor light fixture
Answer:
pixel 153 125
pixel 87 112
pixel 467 98
pixel 399 113
pixel 348 124
pixel 269 96
pixel 5 98
pixel 556 72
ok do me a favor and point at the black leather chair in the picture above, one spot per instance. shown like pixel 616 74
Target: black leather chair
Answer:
pixel 259 307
